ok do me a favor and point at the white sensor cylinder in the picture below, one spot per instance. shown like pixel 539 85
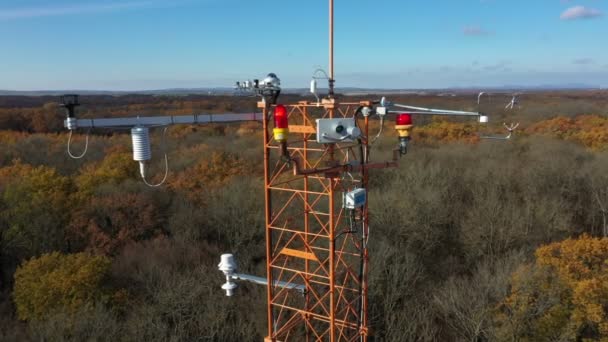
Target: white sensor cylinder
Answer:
pixel 142 152
pixel 229 287
pixel 483 119
pixel 228 266
pixel 71 123
pixel 141 143
pixel 366 111
pixel 313 87
pixel 383 102
pixel 354 132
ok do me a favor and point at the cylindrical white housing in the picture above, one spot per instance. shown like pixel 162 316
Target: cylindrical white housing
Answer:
pixel 141 144
pixel 313 87
pixel 227 264
pixel 353 132
pixel 71 123
pixel 229 287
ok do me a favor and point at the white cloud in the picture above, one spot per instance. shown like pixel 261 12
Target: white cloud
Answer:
pixel 580 12
pixel 502 66
pixel 34 12
pixel 583 61
pixel 475 31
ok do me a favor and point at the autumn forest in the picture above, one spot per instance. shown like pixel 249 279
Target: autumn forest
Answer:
pixel 473 239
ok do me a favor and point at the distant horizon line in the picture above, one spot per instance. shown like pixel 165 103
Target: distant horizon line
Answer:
pixel 576 86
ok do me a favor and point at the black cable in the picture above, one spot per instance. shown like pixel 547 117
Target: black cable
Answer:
pixel 361 265
pixel 362 154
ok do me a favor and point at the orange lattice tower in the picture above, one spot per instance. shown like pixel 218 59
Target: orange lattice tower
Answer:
pixel 312 237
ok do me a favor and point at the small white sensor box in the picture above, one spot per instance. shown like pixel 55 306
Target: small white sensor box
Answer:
pixel 331 131
pixel 355 199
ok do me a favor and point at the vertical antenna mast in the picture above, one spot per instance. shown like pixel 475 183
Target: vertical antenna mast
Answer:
pixel 332 79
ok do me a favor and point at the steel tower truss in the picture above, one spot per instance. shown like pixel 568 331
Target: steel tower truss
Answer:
pixel 310 238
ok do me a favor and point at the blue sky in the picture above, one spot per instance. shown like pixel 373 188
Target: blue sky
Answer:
pixel 152 44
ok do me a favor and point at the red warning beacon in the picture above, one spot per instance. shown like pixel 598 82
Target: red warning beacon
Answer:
pixel 404 125
pixel 281 124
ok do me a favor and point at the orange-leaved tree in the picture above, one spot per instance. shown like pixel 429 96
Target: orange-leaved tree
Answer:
pixel 562 296
pixel 212 173
pixel 116 167
pixel 441 131
pixel 106 223
pixel 58 282
pixel 589 130
pixel 35 202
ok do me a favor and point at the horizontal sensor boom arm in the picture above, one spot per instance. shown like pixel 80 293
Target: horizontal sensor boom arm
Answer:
pixel 430 111
pixel 162 120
